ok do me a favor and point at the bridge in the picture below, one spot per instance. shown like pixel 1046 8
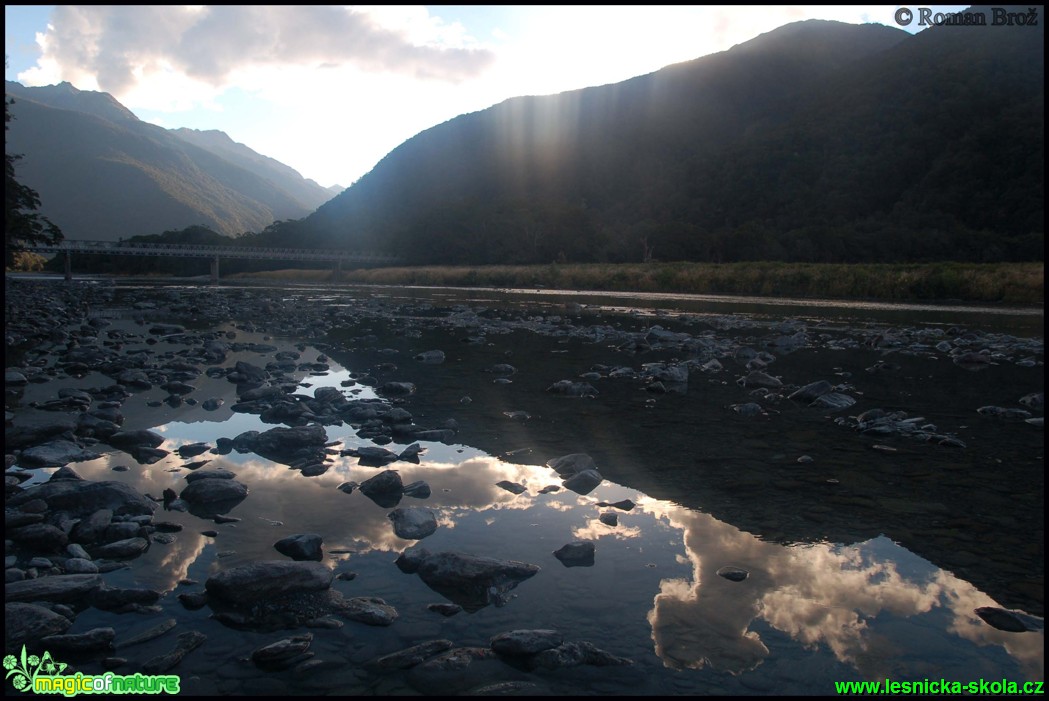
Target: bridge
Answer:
pixel 190 250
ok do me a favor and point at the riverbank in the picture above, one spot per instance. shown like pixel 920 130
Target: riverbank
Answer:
pixel 1008 283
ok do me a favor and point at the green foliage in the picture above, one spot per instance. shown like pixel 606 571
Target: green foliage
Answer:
pixel 816 143
pixel 23 225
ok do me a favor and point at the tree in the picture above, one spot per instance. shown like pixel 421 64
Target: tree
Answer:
pixel 23 225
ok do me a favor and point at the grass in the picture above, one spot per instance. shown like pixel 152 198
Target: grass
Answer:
pixel 1009 283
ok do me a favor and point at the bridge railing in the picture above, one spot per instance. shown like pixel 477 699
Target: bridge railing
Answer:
pixel 188 250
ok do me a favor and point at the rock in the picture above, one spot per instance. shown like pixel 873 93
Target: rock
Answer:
pixel 94 640
pixel 570 388
pixel 413 523
pixel 568 465
pixel 79 565
pixel 280 653
pixel 135 439
pixel 431 356
pixel 409 657
pixel 210 474
pixel 70 588
pixel 397 389
pixel 384 489
pixel 470 581
pixel 609 518
pixel 575 654
pixel 369 610
pixel 304 546
pixel 26 624
pixel 40 536
pixel 577 554
pixel 583 482
pixel 1008 621
pixel 760 379
pixel 208 491
pixel 258 582
pixel 417 490
pixel 811 391
pixel 511 486
pixel 733 574
pixel 56 453
pixel 193 449
pixel 187 642
pixel 526 642
pixel 457 670
pixel 81 498
pixel 835 401
pixel 625 504
pixel 121 549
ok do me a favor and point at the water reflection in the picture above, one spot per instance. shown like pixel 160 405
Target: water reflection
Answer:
pixel 870 610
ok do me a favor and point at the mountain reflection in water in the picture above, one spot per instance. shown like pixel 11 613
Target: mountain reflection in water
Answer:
pixel 828 596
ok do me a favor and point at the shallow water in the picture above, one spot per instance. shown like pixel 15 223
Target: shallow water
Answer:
pixel 863 563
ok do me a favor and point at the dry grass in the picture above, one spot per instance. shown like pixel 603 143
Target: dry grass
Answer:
pixel 1012 283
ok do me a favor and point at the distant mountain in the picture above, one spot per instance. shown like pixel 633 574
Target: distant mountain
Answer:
pixel 819 141
pixel 102 173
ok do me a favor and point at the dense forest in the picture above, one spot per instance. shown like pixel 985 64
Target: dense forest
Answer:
pixel 817 142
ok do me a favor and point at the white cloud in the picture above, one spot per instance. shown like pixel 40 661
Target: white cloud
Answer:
pixel 122 46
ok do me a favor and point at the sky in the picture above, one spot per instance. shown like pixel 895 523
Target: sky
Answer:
pixel 330 90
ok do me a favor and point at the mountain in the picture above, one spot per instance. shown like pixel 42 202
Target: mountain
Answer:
pixel 103 174
pixel 817 141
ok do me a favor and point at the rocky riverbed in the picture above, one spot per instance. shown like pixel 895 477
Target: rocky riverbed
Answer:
pixel 793 430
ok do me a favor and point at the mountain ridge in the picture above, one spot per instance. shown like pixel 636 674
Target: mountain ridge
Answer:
pixel 104 174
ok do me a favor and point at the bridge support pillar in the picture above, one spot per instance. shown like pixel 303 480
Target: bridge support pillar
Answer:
pixel 215 269
pixel 68 260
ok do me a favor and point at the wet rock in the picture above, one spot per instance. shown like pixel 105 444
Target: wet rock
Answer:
pixel 835 401
pixel 384 489
pixel 430 357
pixel 397 389
pixel 56 453
pixel 409 657
pixel 215 490
pixel 569 465
pixel 625 504
pixel 584 482
pixel 470 581
pixel 303 546
pixel 78 565
pixel 811 391
pixel 70 588
pixel 369 610
pixel 456 670
pixel 257 582
pixel 187 642
pixel 760 379
pixel 577 554
pixel 526 642
pixel 210 474
pixel 282 653
pixel 26 624
pixel 513 487
pixel 413 523
pixel 733 574
pixel 609 518
pixel 193 449
pixel 134 439
pixel 576 654
pixel 40 536
pixel 1008 621
pixel 569 388
pixel 94 640
pixel 149 634
pixel 445 610
pixel 121 549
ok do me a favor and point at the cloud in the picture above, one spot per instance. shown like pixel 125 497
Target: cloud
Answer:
pixel 116 47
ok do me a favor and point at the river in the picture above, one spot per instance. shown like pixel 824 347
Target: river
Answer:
pixel 761 544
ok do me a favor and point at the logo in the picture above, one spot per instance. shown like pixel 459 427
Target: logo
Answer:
pixel 43 675
pixel 997 17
